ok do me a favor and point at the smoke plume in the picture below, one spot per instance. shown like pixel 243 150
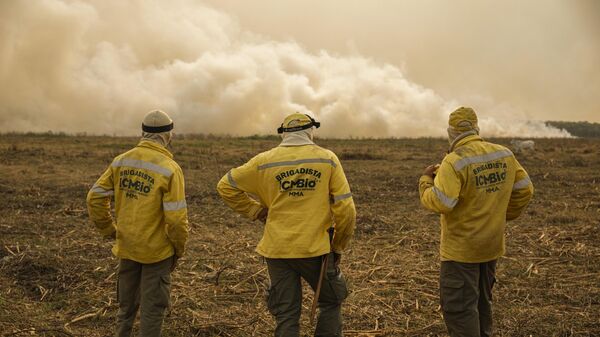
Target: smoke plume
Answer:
pixel 99 66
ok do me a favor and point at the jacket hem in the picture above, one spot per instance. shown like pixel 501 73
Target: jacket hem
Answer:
pixel 464 259
pixel 290 255
pixel 143 260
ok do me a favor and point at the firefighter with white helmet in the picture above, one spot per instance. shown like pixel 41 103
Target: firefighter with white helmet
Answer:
pixel 300 191
pixel 151 225
pixel 476 189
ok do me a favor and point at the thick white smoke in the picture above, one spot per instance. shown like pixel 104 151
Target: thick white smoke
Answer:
pixel 99 66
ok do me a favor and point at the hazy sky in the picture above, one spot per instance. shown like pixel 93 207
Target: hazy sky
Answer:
pixel 541 57
pixel 363 68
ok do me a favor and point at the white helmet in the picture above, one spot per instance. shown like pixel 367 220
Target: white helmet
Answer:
pixel 157 121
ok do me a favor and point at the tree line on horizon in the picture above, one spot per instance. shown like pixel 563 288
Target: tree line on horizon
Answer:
pixel 578 129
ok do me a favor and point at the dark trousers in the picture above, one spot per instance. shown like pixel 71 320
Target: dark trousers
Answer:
pixel 466 297
pixel 284 297
pixel 147 286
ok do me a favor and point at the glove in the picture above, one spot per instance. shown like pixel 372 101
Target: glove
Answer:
pixel 337 257
pixel 431 170
pixel 175 261
pixel 262 215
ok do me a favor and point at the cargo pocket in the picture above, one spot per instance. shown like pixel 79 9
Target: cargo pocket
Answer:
pixel 452 295
pixel 271 296
pixel 337 283
pixel 164 291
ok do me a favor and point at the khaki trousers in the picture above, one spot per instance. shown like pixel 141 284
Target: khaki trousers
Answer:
pixel 284 296
pixel 466 297
pixel 147 286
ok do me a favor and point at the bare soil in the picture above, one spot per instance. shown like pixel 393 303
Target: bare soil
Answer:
pixel 57 275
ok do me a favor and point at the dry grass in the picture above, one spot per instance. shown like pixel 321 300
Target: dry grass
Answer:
pixel 57 277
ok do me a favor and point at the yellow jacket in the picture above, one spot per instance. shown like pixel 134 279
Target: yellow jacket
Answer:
pixel 150 206
pixel 305 189
pixel 478 187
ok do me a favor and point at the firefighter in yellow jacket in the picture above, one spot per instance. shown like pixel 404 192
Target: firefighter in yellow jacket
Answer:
pixel 299 190
pixel 151 227
pixel 477 188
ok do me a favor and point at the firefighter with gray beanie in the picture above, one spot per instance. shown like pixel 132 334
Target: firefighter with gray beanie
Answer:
pixel 151 226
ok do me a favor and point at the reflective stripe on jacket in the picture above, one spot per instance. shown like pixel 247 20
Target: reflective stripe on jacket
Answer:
pixel 150 206
pixel 305 189
pixel 478 187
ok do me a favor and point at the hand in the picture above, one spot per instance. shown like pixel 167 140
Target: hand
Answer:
pixel 431 170
pixel 262 215
pixel 175 261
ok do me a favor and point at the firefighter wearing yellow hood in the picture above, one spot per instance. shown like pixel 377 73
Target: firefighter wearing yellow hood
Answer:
pixel 151 227
pixel 299 190
pixel 476 189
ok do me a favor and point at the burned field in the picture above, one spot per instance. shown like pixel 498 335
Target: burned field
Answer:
pixel 57 276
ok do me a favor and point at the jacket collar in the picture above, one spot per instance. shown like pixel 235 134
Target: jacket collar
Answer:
pixel 156 147
pixel 464 139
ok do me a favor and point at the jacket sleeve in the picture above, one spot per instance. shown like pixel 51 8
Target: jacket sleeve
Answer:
pixel 235 186
pixel 342 208
pixel 522 192
pixel 98 203
pixel 175 209
pixel 440 194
